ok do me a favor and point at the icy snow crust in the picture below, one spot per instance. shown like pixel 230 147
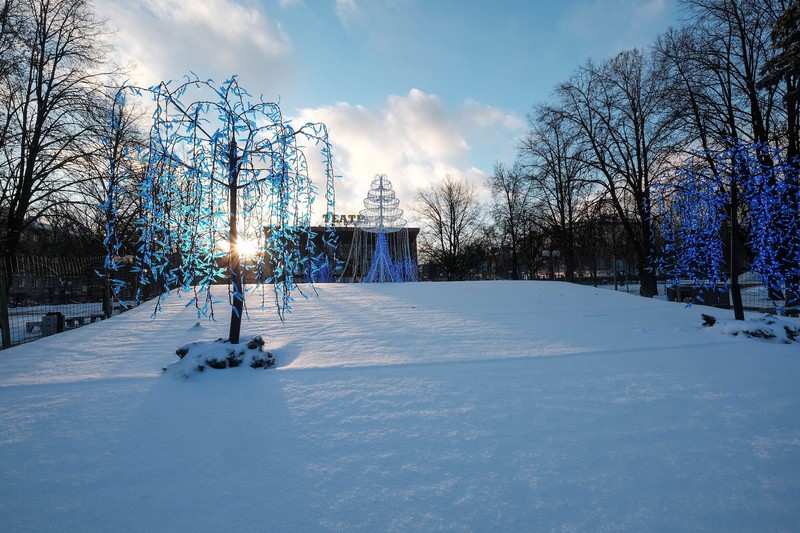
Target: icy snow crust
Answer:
pixel 492 406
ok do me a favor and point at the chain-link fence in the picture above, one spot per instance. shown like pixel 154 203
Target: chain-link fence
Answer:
pixel 43 296
pixel 755 296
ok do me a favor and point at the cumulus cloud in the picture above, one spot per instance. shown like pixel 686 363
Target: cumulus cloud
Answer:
pixel 214 38
pixel 414 139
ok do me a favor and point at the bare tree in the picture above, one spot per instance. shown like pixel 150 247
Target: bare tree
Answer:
pixel 620 108
pixel 47 98
pixel 453 219
pixel 9 26
pixel 117 171
pixel 113 172
pixel 717 61
pixel 511 191
pixel 783 72
pixel 552 153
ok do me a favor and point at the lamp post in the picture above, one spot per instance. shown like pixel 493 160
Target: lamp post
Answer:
pixel 552 255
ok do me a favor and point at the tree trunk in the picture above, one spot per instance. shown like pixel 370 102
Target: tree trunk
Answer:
pixel 514 257
pixel 5 329
pixel 647 272
pixel 793 188
pixel 569 266
pixel 789 256
pixel 11 244
pixel 736 293
pixel 235 267
pixel 647 278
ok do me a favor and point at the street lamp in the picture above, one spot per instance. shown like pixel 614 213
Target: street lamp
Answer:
pixel 552 254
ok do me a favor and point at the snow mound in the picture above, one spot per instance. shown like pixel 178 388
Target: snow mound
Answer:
pixel 768 327
pixel 197 356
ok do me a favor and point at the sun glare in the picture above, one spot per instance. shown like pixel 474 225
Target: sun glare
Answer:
pixel 247 248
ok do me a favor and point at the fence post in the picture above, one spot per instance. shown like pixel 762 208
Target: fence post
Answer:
pixel 4 319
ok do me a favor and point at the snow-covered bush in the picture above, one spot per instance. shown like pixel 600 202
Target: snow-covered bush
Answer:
pixel 197 356
pixel 768 327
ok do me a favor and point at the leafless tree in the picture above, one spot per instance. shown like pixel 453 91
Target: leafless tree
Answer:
pixel 453 217
pixel 511 192
pixel 717 61
pixel 620 109
pixel 46 108
pixel 782 70
pixel 116 171
pixel 552 154
pixel 9 25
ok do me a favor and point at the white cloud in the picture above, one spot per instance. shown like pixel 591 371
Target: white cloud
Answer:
pixel 413 139
pixel 214 38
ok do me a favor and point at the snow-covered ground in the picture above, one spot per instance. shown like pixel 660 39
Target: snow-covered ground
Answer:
pixel 482 406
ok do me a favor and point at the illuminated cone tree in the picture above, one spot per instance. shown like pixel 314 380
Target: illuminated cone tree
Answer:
pixel 382 215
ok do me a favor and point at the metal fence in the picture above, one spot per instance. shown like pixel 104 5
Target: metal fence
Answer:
pixel 42 296
pixel 755 296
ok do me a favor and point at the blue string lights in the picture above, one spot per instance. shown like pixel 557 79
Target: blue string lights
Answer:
pixel 224 174
pixel 745 183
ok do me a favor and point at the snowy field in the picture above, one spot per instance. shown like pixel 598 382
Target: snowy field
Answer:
pixel 482 406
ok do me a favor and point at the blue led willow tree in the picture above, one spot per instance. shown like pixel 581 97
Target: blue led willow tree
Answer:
pixel 746 189
pixel 222 172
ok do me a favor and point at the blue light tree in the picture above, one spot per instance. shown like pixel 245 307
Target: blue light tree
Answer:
pixel 772 197
pixel 382 215
pixel 693 218
pixel 224 171
pixel 745 185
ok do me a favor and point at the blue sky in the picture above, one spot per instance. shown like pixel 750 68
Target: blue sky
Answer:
pixel 415 89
